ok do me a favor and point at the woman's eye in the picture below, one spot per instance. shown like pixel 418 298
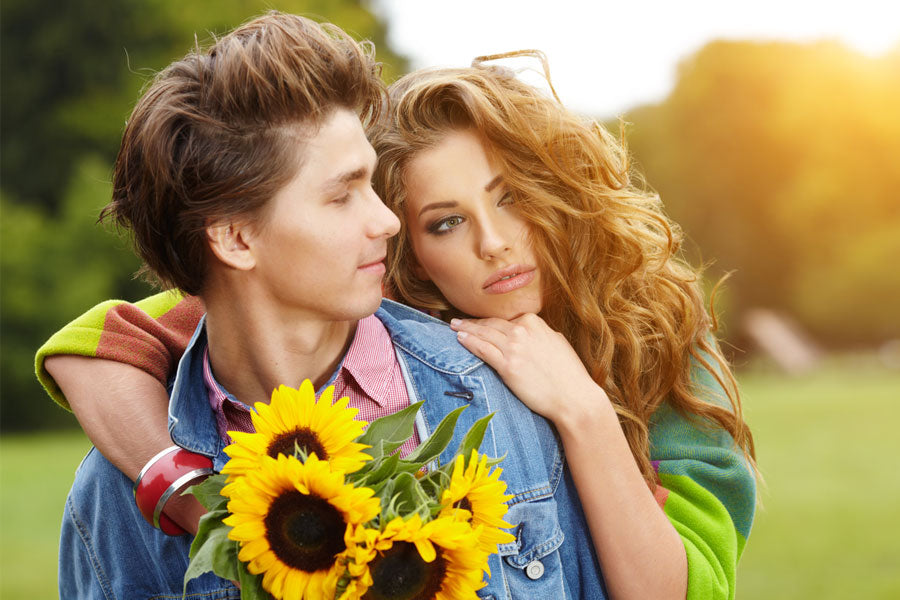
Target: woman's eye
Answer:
pixel 341 199
pixel 507 198
pixel 444 225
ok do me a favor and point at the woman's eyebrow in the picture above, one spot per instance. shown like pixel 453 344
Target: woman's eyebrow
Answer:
pixel 493 183
pixel 436 205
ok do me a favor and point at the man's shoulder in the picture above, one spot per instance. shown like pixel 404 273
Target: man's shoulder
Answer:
pixel 428 339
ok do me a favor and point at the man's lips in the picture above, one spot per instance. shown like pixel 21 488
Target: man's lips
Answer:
pixel 375 265
pixel 508 279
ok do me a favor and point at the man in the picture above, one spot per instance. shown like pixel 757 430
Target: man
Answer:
pixel 244 176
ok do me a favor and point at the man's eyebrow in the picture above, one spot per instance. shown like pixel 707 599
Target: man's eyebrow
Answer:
pixel 343 178
pixel 493 183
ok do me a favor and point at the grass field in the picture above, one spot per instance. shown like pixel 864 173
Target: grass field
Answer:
pixel 827 445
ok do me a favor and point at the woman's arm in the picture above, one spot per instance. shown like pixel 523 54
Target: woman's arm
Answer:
pixel 123 410
pixel 121 402
pixel 641 553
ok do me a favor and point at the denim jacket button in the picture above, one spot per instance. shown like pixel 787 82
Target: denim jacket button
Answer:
pixel 534 569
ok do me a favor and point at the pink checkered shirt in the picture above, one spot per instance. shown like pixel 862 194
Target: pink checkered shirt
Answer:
pixel 369 375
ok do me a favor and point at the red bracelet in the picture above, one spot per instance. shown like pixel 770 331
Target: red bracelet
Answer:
pixel 163 476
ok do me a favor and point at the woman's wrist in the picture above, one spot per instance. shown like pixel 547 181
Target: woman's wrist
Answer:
pixel 163 478
pixel 185 510
pixel 584 413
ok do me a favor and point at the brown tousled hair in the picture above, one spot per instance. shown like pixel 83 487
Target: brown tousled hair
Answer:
pixel 219 132
pixel 614 285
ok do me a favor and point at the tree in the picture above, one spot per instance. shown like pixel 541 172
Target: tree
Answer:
pixel 71 73
pixel 778 160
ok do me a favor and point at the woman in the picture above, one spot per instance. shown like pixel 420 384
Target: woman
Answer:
pixel 521 216
pixel 512 207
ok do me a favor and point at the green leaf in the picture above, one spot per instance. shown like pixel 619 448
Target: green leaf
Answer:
pixel 435 444
pixel 474 437
pixel 391 428
pixel 385 493
pixel 209 492
pixel 215 553
pixel 409 497
pixel 208 523
pixel 387 466
pixel 251 585
pixel 436 481
pixel 386 447
pixel 342 584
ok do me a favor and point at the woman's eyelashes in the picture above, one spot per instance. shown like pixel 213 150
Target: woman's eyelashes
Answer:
pixel 444 224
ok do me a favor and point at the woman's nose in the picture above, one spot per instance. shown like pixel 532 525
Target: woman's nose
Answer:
pixel 493 242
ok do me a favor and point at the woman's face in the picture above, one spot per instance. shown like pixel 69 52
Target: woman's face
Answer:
pixel 466 232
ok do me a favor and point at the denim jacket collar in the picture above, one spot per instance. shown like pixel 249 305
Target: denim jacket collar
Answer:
pixel 193 426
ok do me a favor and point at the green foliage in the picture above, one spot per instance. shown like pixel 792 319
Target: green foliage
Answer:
pixel 392 480
pixel 779 162
pixel 388 433
pixel 209 492
pixel 71 73
pixel 52 268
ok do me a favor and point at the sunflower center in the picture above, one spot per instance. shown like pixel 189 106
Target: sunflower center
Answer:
pixel 305 532
pixel 303 438
pixel 401 574
pixel 464 504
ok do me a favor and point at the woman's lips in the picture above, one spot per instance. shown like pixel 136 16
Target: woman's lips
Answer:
pixel 509 279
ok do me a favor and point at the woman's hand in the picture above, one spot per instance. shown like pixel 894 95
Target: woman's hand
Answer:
pixel 537 363
pixel 627 527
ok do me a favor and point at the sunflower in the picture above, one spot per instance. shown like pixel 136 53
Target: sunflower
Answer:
pixel 294 418
pixel 437 560
pixel 478 496
pixel 291 519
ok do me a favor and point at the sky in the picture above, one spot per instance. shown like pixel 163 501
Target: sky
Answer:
pixel 606 57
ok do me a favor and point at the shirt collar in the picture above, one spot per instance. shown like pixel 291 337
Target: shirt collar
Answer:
pixel 370 358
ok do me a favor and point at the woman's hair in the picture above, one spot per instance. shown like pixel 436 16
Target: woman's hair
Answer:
pixel 613 282
pixel 218 133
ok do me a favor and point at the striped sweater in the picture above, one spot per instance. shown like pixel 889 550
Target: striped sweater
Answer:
pixel 707 489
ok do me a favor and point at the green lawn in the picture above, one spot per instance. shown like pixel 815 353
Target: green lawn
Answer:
pixel 827 446
pixel 36 472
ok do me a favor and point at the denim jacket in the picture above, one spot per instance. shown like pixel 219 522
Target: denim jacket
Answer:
pixel 108 551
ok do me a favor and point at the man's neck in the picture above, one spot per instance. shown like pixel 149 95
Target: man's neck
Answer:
pixel 253 351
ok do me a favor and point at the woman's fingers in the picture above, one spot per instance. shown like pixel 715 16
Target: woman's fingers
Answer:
pixel 483 349
pixel 495 331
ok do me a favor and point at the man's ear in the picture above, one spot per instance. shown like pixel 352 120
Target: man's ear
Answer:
pixel 230 243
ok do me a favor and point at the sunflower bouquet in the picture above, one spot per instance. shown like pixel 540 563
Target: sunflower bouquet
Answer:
pixel 315 506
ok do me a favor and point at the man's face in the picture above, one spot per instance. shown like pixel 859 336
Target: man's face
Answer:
pixel 320 246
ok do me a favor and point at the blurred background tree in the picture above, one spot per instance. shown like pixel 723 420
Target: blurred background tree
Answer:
pixel 71 73
pixel 777 159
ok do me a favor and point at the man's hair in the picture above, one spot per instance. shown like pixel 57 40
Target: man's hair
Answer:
pixel 216 134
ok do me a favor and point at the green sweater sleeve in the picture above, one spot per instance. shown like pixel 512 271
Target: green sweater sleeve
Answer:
pixel 709 492
pixel 150 334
